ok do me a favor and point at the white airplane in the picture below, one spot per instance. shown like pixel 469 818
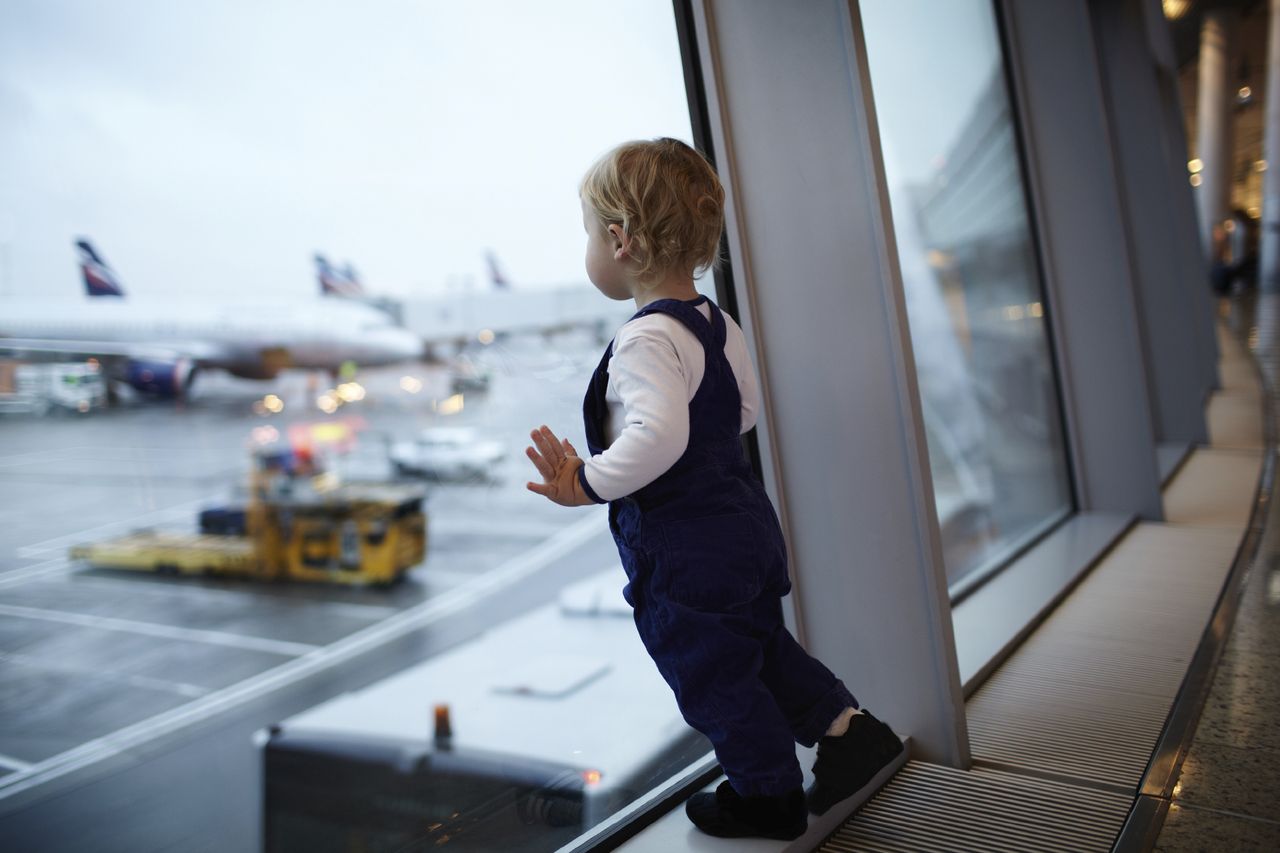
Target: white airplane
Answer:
pixel 157 347
pixel 455 319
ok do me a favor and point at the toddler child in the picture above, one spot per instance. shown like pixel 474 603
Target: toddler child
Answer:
pixel 702 548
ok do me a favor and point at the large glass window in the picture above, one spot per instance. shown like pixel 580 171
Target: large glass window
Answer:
pixel 283 289
pixel 973 292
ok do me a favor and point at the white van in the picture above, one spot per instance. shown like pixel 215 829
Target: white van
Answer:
pixel 40 387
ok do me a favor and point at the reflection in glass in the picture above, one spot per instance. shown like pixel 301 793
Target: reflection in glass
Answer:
pixel 969 272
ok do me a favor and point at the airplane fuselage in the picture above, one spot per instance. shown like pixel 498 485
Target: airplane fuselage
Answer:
pixel 255 340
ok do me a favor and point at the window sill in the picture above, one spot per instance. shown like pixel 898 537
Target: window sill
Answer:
pixel 673 833
pixel 990 623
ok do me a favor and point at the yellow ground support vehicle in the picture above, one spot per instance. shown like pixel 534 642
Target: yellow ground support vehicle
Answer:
pixel 296 526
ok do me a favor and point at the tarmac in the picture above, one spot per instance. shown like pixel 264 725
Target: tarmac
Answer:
pixel 128 701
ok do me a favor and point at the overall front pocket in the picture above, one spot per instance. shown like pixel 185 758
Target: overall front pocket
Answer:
pixel 712 563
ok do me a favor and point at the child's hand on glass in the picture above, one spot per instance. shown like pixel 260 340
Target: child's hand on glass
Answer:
pixel 558 463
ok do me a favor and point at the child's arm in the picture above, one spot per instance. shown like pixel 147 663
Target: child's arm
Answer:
pixel 558 463
pixel 648 378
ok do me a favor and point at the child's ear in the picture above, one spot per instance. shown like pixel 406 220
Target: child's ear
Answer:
pixel 621 242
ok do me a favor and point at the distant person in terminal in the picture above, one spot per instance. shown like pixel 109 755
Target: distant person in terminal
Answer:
pixel 702 548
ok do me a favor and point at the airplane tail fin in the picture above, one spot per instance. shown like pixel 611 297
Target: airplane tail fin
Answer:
pixel 99 279
pixel 335 281
pixel 497 277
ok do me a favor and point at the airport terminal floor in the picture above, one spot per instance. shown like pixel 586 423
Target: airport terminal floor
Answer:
pixel 1228 794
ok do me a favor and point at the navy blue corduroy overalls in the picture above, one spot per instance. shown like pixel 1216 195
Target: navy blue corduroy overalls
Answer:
pixel 706 569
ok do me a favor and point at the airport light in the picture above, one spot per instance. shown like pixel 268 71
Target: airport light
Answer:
pixel 273 404
pixel 410 384
pixel 327 403
pixel 486 336
pixel 449 405
pixel 1195 165
pixel 443 733
pixel 350 392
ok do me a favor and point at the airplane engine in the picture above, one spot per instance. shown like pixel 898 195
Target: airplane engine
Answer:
pixel 267 365
pixel 252 371
pixel 160 378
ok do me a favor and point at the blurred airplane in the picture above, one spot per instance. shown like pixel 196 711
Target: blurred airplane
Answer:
pixel 157 347
pixel 335 281
pixel 343 283
pixel 497 277
pixel 451 321
pixel 99 280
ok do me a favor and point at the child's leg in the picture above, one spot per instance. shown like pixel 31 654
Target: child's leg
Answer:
pixel 808 694
pixel 713 662
pixel 849 755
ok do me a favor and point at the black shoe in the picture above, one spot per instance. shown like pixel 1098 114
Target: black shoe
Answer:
pixel 728 815
pixel 848 762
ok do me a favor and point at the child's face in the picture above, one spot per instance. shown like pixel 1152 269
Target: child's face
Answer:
pixel 606 256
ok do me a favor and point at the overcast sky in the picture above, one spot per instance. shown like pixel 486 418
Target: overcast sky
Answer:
pixel 212 148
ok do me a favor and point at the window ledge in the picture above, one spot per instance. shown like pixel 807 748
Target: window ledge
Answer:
pixel 990 623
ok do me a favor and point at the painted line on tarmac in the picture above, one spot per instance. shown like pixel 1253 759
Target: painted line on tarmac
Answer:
pixel 191 691
pixel 6 761
pixel 159 586
pixel 168 632
pixel 40 549
pixel 406 622
pixel 61 454
pixel 26 458
pixel 57 565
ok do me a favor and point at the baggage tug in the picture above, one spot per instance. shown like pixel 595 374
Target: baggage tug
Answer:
pixel 299 523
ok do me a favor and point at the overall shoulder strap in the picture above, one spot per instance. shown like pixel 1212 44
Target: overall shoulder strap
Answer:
pixel 687 313
pixel 718 332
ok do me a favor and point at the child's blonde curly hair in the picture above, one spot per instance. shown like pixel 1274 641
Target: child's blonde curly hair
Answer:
pixel 667 199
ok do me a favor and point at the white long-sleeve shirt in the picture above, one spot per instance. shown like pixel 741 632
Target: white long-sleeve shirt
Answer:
pixel 656 368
